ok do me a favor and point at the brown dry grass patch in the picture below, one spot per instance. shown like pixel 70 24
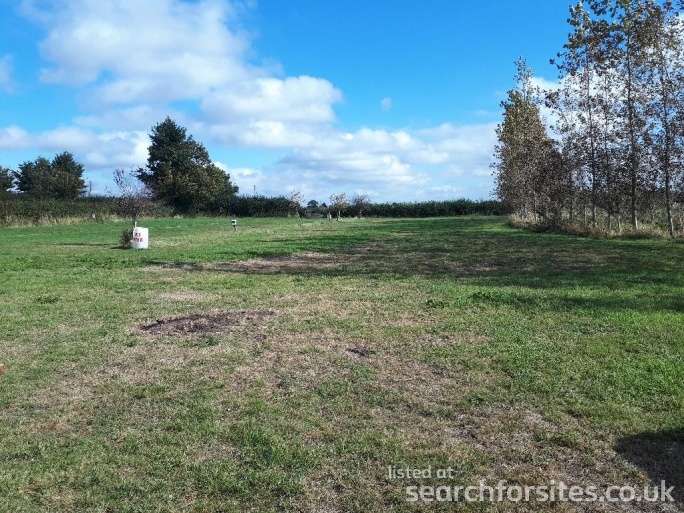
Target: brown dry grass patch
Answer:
pixel 504 442
pixel 182 296
pixel 515 443
pixel 167 352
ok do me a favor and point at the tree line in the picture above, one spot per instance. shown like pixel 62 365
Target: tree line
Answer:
pixel 19 208
pixel 615 150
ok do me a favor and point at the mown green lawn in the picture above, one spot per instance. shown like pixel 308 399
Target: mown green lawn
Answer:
pixel 286 368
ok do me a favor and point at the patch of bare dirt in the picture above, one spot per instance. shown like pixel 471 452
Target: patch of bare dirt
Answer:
pixel 206 323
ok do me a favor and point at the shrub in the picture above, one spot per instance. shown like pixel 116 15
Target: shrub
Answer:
pixel 126 238
pixel 644 233
pixel 515 221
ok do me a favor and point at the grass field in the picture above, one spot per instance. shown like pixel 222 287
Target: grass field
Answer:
pixel 286 368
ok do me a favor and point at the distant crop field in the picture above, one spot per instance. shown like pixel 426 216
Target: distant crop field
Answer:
pixel 367 365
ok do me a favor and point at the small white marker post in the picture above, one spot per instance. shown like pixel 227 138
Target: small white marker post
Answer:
pixel 234 223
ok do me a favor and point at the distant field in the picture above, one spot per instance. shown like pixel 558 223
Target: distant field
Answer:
pixel 286 368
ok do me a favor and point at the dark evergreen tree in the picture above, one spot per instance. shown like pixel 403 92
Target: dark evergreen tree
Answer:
pixel 6 179
pixel 180 173
pixel 68 176
pixel 34 178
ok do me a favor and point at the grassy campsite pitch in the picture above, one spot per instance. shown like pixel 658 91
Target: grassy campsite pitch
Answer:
pixel 288 368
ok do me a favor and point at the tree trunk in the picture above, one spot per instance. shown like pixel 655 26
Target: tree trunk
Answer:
pixel 668 204
pixel 633 201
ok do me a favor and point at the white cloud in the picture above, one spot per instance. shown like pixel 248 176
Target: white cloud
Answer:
pixel 127 149
pixel 249 180
pixel 545 84
pixel 118 149
pixel 471 143
pixel 295 99
pixel 264 134
pixel 160 51
pixel 392 164
pixel 6 72
pixel 13 138
pixel 72 138
pixel 127 53
pixel 153 50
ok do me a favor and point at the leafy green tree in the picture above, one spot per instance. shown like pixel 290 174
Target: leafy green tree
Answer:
pixel 180 173
pixel 134 198
pixel 522 172
pixel 631 46
pixel 60 178
pixel 6 179
pixel 339 203
pixel 296 199
pixel 34 178
pixel 621 76
pixel 581 65
pixel 665 79
pixel 361 202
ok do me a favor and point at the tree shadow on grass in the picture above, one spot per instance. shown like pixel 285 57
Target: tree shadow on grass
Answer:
pixel 660 454
pixel 508 261
pixel 83 244
pixel 482 252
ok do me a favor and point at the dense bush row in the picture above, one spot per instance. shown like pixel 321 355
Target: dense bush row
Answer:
pixel 460 207
pixel 254 206
pixel 260 206
pixel 19 208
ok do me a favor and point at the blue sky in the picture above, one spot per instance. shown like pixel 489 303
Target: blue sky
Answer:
pixel 395 99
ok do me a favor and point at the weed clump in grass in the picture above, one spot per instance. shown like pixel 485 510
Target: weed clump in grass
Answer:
pixel 126 238
pixel 584 230
pixel 644 233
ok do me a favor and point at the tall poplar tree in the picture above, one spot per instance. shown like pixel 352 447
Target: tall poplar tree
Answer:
pixel 581 102
pixel 665 80
pixel 630 44
pixel 524 150
pixel 607 68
